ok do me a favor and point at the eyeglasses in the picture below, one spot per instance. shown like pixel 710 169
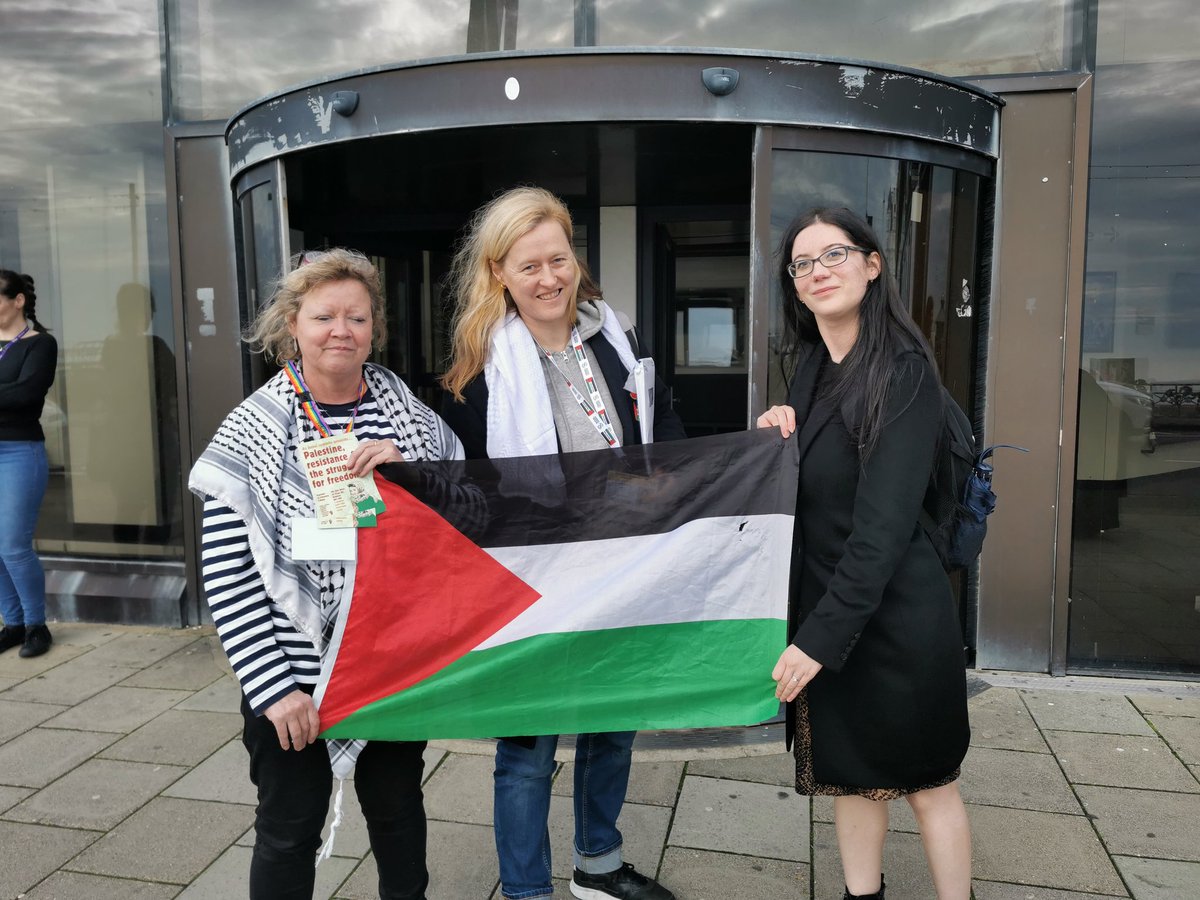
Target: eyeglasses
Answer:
pixel 830 259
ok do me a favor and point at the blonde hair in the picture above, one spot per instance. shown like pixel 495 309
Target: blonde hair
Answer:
pixel 269 330
pixel 480 299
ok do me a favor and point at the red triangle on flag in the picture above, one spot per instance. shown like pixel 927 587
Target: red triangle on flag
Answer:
pixel 424 595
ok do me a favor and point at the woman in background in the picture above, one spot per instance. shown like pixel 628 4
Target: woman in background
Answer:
pixel 28 357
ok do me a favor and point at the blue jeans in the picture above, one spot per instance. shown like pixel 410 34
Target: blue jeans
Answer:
pixel 23 474
pixel 522 808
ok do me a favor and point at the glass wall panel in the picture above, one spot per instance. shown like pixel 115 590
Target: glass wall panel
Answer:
pixel 225 53
pixel 1135 574
pixel 83 210
pixel 953 37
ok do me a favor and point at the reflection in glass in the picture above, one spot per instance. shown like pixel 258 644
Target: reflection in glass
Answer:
pixel 83 210
pixel 1134 571
pixel 225 53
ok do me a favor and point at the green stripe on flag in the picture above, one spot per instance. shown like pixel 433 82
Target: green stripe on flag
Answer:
pixel 683 675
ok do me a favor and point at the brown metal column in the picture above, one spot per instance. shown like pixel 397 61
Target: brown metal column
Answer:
pixel 1032 386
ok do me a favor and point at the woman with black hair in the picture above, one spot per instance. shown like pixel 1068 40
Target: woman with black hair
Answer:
pixel 28 357
pixel 874 676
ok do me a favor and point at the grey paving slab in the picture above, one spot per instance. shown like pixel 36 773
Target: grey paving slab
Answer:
pixel 1167 705
pixel 741 817
pixel 77 886
pixel 97 795
pixel 196 666
pixel 643 828
pixel 656 783
pixel 229 876
pixel 87 635
pixel 177 737
pixel 1145 823
pixel 1030 847
pixel 118 709
pixel 39 756
pixel 1160 879
pixel 1183 734
pixel 224 777
pixel 70 683
pixel 1077 711
pixel 433 757
pixel 995 890
pixel 1121 760
pixel 705 875
pixel 6 683
pixel 12 665
pixel 11 796
pixel 999 719
pixel 904 867
pixel 223 695
pixel 17 717
pixel 32 852
pixel 461 860
pixel 771 768
pixel 139 649
pixel 166 840
pixel 461 790
pixel 1017 778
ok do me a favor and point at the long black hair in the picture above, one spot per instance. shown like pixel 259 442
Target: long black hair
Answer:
pixel 885 326
pixel 13 283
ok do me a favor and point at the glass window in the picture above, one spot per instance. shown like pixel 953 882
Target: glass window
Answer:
pixel 225 53
pixel 1137 489
pixel 83 211
pixel 977 38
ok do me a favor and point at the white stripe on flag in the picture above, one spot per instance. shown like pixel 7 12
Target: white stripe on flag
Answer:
pixel 706 570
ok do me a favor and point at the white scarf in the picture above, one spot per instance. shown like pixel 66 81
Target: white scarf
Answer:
pixel 520 421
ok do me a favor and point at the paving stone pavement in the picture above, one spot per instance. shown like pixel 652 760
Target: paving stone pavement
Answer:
pixel 122 775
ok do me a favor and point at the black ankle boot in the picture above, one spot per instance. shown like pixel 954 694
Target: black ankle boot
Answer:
pixel 878 895
pixel 11 636
pixel 37 641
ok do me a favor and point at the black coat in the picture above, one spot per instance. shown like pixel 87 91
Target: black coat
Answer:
pixel 469 418
pixel 870 600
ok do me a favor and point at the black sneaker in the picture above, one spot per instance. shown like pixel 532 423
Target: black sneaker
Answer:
pixel 625 882
pixel 11 636
pixel 37 641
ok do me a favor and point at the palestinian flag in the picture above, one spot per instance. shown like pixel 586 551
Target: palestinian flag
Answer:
pixel 598 591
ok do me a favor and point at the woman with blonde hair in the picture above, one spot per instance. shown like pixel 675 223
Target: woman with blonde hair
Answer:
pixel 542 365
pixel 274 608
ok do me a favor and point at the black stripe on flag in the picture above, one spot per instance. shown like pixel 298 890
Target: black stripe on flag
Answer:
pixel 599 494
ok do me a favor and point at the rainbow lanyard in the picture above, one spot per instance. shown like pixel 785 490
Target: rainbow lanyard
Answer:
pixel 309 405
pixel 9 345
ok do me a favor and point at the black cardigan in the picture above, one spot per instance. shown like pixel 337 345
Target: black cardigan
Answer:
pixel 26 373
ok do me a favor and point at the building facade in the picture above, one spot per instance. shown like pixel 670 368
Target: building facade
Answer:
pixel 1032 166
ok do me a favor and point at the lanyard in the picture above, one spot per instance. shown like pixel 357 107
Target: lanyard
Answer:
pixel 595 410
pixel 6 347
pixel 309 405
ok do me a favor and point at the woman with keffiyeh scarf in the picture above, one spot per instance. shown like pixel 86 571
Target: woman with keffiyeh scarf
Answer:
pixel 275 614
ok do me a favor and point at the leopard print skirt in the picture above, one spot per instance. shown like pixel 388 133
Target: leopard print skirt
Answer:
pixel 806 783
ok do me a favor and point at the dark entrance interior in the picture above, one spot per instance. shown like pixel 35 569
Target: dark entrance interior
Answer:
pixel 679 240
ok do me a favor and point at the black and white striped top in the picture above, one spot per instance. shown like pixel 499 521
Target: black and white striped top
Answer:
pixel 269 656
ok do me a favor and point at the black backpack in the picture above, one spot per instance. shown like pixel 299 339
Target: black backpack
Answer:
pixel 960 497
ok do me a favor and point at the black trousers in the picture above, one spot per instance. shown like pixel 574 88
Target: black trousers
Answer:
pixel 293 800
